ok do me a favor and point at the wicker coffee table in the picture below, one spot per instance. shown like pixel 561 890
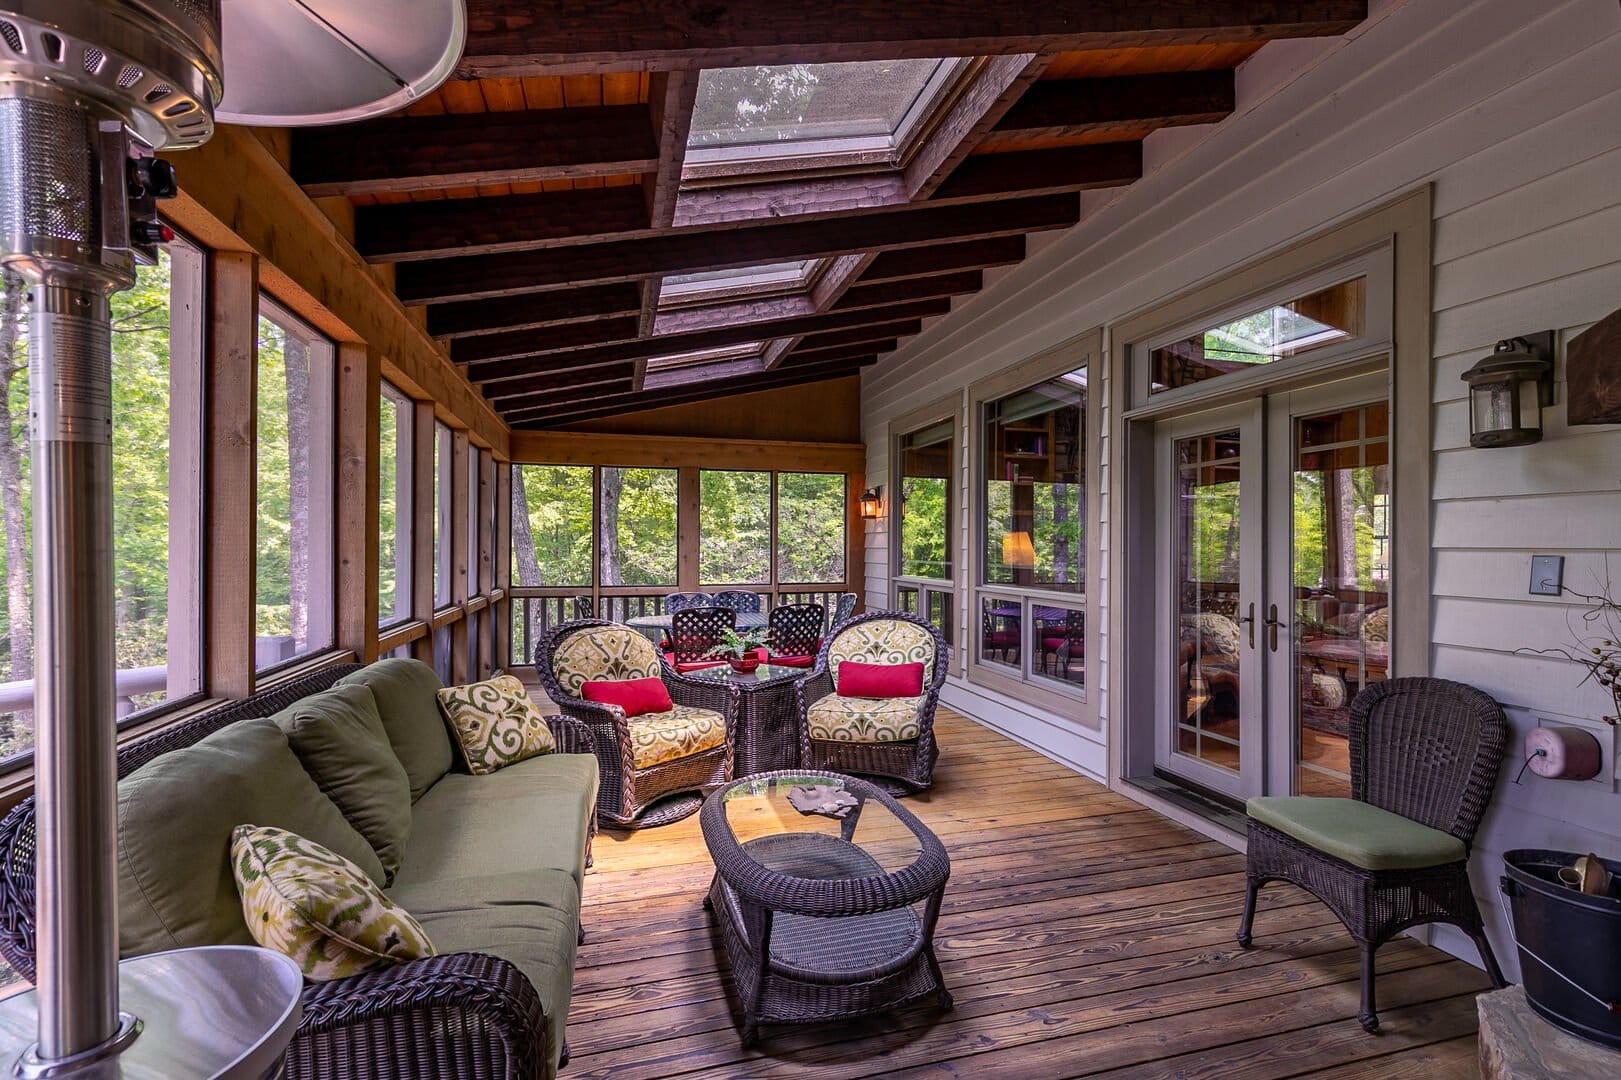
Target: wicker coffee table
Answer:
pixel 767 715
pixel 817 924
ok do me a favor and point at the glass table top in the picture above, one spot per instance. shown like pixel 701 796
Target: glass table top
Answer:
pixel 761 809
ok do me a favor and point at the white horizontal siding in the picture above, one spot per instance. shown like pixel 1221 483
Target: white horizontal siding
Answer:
pixel 1512 111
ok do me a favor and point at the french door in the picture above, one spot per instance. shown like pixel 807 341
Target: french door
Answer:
pixel 1272 571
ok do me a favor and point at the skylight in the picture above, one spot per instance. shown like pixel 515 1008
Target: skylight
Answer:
pixel 867 108
pixel 751 350
pixel 769 279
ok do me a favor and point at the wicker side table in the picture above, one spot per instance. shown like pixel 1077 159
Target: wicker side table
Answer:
pixel 767 716
pixel 816 926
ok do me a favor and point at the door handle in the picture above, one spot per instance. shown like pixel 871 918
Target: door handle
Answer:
pixel 1273 626
pixel 1249 621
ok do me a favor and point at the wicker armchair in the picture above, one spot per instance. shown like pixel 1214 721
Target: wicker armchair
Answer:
pixel 459 1014
pixel 573 653
pixel 1424 759
pixel 891 738
pixel 796 634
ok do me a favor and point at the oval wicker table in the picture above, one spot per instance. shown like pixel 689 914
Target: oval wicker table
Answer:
pixel 818 925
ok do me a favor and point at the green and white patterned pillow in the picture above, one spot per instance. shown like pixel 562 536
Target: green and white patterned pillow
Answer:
pixel 320 909
pixel 495 723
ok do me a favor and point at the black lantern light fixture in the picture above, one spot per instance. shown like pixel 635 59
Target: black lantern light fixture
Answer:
pixel 872 503
pixel 1508 391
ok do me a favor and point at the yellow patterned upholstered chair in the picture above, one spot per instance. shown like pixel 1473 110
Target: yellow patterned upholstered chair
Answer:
pixel 657 766
pixel 891 738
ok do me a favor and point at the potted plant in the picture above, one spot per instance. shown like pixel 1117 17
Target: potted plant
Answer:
pixel 739 649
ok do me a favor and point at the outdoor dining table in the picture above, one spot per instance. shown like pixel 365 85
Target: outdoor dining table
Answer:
pixel 656 627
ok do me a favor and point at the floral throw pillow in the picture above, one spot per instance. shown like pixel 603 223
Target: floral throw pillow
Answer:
pixel 495 723
pixel 320 909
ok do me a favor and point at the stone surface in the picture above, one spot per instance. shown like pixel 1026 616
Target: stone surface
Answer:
pixel 1517 1044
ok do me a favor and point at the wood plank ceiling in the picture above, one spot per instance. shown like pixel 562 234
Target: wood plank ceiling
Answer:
pixel 534 205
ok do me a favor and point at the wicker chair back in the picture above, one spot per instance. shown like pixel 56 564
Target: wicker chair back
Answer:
pixel 795 629
pixel 1429 750
pixel 694 631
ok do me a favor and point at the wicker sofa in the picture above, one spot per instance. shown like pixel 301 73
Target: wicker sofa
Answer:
pixel 498 896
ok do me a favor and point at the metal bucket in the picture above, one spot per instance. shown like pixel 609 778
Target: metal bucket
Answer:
pixel 1569 943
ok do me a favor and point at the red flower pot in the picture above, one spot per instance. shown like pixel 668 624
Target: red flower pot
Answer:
pixel 745 664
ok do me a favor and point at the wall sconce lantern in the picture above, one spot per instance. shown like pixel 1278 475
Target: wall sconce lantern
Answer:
pixel 1508 391
pixel 872 503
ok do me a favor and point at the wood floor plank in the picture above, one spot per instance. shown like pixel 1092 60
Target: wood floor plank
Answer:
pixel 1081 935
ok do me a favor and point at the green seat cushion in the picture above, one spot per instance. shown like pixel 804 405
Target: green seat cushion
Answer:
pixel 405 691
pixel 339 737
pixel 1358 833
pixel 175 818
pixel 531 815
pixel 530 919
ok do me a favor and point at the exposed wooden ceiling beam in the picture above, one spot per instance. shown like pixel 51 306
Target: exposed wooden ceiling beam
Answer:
pixel 504 378
pixel 736 244
pixel 798 197
pixel 550 339
pixel 557 413
pixel 845 352
pixel 941 258
pixel 509 37
pixel 876 294
pixel 672 94
pixel 426 230
pixel 1122 103
pixel 419 153
pixel 472 317
pixel 1004 80
pixel 565 380
pixel 860 335
pixel 1066 168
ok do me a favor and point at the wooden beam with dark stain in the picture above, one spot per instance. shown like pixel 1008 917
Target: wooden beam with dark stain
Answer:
pixel 1066 168
pixel 506 37
pixel 859 335
pixel 505 378
pixel 472 317
pixel 877 294
pixel 425 230
pixel 1003 82
pixel 546 339
pixel 941 258
pixel 1121 103
pixel 845 352
pixel 420 153
pixel 736 244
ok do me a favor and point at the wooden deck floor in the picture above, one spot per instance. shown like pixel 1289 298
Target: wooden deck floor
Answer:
pixel 1081 936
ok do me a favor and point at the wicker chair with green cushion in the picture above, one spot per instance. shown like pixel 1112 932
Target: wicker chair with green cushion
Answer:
pixel 653 757
pixel 1424 759
pixel 888 737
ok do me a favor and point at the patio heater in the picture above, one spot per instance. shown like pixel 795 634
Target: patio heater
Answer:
pixel 89 90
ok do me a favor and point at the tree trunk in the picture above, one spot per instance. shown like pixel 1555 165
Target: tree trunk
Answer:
pixel 13 442
pixel 297 357
pixel 613 482
pixel 523 552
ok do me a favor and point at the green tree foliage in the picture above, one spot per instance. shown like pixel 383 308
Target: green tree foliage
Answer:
pixel 734 528
pixel 556 521
pixel 388 502
pixel 638 526
pixel 810 528
pixel 924 524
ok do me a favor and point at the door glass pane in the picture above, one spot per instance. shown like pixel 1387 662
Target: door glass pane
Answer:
pixel 637 513
pixel 1206 564
pixel 1341 580
pixel 925 507
pixel 1280 332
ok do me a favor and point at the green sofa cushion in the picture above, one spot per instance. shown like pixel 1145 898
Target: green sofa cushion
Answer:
pixel 528 816
pixel 339 737
pixel 1357 832
pixel 530 919
pixel 405 690
pixel 175 817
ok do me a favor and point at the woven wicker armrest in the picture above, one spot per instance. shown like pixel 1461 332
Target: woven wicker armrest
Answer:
pixel 812 688
pixel 703 694
pixel 571 735
pixel 461 1014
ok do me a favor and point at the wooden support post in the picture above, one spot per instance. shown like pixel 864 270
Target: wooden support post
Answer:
pixel 359 387
pixel 230 388
pixel 487 659
pixel 501 611
pixel 686 529
pixel 855 538
pixel 422 518
pixel 460 554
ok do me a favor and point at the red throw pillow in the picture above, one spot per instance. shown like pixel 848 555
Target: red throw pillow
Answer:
pixel 635 696
pixel 880 680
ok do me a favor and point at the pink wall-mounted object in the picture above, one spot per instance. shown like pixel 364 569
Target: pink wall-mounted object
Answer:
pixel 1563 753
